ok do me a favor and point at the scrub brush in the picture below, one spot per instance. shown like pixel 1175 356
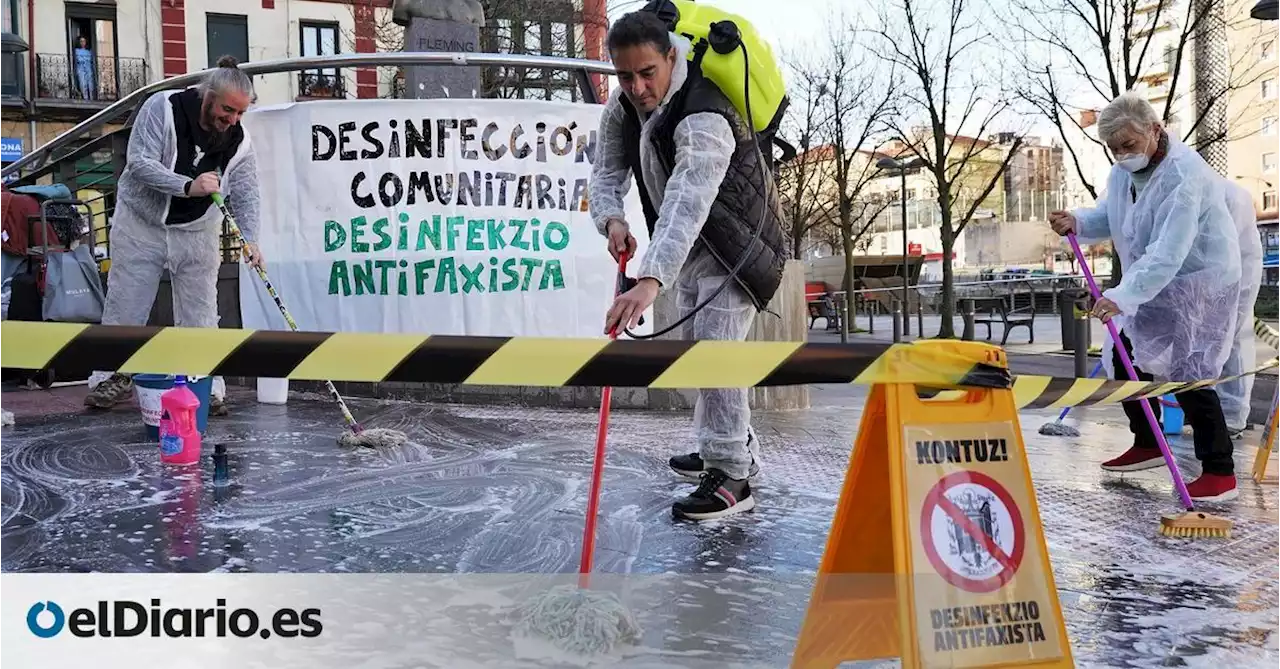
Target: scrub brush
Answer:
pixel 1191 523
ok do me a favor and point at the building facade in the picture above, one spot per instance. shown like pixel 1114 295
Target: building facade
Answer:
pixel 83 56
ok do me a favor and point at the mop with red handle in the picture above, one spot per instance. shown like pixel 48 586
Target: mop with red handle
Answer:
pixel 576 619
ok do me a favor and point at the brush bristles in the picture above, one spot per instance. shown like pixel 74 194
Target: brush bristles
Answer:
pixel 1195 525
pixel 1194 532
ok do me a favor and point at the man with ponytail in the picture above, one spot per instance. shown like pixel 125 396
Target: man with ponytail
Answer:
pixel 165 217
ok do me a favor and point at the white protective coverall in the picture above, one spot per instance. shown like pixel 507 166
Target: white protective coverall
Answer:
pixel 142 245
pixel 704 144
pixel 1180 254
pixel 1235 395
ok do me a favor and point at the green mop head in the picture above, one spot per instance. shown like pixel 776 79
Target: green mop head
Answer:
pixel 577 620
pixel 373 437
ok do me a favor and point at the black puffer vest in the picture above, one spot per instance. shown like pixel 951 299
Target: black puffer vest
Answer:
pixel 745 194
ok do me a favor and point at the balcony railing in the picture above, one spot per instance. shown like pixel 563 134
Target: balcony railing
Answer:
pixel 318 85
pixel 105 79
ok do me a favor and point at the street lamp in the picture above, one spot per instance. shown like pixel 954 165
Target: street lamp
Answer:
pixel 1265 10
pixel 901 167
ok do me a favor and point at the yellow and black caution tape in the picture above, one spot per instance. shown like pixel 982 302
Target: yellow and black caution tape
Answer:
pixel 532 361
pixel 515 361
pixel 1265 333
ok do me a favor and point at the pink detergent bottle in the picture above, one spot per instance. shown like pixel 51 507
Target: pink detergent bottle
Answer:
pixel 179 434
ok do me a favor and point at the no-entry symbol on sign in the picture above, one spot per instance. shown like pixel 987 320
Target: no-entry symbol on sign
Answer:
pixel 972 532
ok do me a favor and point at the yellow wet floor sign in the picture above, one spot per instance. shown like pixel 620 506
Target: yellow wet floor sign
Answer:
pixel 936 553
pixel 1268 443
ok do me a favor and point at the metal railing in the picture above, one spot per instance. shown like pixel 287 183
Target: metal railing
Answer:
pixel 581 68
pixel 927 297
pixel 101 79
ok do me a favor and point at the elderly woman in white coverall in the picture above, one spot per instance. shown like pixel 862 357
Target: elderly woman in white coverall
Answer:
pixel 1166 211
pixel 165 217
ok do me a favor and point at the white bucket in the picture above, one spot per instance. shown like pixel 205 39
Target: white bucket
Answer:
pixel 273 391
pixel 149 402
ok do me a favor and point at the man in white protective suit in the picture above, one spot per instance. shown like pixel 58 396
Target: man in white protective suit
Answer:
pixel 699 173
pixel 1236 394
pixel 165 217
pixel 1166 211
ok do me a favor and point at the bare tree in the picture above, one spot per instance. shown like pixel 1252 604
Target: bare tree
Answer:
pixel 803 180
pixel 859 97
pixel 951 84
pixel 1079 54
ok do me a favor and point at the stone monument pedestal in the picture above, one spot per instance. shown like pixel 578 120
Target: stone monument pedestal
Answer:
pixel 443 26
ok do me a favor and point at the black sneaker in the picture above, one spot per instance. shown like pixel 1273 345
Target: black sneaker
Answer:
pixel 690 465
pixel 716 497
pixel 110 392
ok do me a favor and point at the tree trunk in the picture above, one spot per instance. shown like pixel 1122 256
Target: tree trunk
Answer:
pixel 947 308
pixel 846 237
pixel 797 238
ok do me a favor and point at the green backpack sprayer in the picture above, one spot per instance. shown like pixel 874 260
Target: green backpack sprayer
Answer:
pixel 751 80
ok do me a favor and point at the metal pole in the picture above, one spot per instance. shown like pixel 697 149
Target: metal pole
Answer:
pixel 966 312
pixel 1211 74
pixel 871 316
pixel 844 322
pixel 1082 347
pixel 897 322
pixel 906 313
pixel 919 317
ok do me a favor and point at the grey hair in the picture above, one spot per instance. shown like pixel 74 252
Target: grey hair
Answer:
pixel 1129 110
pixel 227 77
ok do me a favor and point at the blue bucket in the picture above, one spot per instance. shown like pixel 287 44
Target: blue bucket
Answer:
pixel 1171 415
pixel 149 388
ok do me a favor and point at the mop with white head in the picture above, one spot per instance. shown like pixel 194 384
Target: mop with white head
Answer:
pixel 357 435
pixel 373 437
pixel 577 620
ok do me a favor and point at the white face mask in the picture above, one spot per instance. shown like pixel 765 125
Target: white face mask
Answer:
pixel 1132 162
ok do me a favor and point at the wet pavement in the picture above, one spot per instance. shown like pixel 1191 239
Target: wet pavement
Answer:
pixel 502 490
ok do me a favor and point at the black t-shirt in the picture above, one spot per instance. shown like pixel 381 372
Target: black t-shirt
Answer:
pixel 199 151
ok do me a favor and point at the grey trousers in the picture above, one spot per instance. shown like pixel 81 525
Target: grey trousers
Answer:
pixel 722 416
pixel 140 252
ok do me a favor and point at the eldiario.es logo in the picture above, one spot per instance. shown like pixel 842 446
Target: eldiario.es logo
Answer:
pixel 123 618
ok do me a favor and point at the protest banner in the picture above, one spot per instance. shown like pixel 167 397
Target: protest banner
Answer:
pixel 442 216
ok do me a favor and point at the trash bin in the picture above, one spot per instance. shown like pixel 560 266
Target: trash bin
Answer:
pixel 1069 301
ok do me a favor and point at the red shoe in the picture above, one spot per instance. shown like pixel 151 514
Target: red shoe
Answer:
pixel 1135 459
pixel 1213 488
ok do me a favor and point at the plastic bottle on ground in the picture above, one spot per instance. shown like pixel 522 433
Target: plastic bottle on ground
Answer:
pixel 179 433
